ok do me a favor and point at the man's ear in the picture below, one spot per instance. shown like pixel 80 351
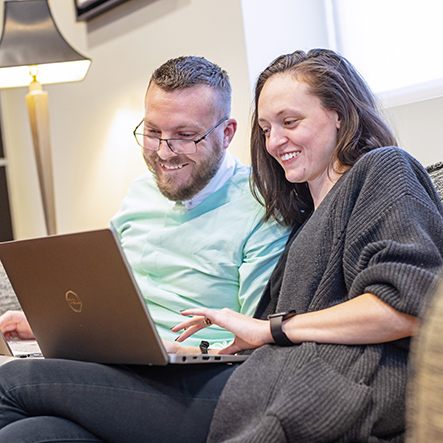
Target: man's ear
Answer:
pixel 229 131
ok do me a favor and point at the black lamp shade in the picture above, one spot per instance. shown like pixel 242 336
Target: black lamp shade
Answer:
pixel 31 38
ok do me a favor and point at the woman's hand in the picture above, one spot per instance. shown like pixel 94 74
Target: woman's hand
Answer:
pixel 15 324
pixel 250 333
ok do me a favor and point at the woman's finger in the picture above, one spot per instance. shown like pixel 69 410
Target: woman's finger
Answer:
pixel 231 349
pixel 188 332
pixel 191 326
pixel 196 320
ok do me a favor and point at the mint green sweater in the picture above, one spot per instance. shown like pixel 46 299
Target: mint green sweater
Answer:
pixel 218 254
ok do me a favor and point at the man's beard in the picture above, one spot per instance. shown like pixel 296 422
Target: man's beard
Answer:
pixel 199 178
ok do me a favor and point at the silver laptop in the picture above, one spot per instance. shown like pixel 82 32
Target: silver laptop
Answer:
pixel 6 353
pixel 83 303
pixel 5 349
pixel 18 348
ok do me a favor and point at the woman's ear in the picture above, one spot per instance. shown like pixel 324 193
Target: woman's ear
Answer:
pixel 337 120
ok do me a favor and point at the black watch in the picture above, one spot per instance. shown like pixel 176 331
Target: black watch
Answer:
pixel 277 333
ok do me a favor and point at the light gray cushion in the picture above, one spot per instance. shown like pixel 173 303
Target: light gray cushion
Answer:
pixel 8 299
pixel 435 171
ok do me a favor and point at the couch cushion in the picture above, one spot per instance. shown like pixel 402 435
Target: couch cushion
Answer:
pixel 8 299
pixel 435 171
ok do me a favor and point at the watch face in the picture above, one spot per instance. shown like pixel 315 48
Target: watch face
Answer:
pixel 285 315
pixel 276 320
pixel 280 314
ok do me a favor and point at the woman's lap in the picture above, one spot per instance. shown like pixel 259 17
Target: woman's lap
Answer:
pixel 114 403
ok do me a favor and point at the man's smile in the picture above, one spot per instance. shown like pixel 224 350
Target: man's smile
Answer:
pixel 172 167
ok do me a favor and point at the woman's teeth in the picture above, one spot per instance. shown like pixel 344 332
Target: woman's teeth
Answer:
pixel 289 155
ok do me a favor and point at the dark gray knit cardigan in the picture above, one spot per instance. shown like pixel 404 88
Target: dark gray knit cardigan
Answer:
pixel 379 230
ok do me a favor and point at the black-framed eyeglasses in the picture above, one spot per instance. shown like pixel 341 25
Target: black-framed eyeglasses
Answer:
pixel 176 145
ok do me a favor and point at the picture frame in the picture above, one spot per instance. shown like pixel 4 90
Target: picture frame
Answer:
pixel 89 9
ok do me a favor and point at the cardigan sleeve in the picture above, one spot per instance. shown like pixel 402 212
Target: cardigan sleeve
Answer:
pixel 395 249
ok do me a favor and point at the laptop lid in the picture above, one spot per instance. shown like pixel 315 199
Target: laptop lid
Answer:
pixel 82 301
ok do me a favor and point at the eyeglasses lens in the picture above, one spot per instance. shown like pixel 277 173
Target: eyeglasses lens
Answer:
pixel 177 146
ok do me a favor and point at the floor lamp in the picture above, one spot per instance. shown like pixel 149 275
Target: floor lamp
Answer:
pixel 32 53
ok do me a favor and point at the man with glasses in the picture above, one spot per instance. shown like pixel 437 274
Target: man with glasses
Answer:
pixel 190 227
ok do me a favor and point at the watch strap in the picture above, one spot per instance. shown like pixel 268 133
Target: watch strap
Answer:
pixel 277 333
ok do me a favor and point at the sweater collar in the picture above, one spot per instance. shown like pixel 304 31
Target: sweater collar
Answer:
pixel 223 175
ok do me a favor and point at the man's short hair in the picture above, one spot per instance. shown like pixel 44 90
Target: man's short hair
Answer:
pixel 187 71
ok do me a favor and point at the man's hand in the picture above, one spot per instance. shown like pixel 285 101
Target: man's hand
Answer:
pixel 175 348
pixel 15 324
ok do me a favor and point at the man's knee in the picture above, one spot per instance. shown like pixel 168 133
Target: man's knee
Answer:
pixel 39 429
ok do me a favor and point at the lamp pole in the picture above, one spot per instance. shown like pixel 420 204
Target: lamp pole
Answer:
pixel 38 110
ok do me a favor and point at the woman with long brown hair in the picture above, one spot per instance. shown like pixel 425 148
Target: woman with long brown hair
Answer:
pixel 365 249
